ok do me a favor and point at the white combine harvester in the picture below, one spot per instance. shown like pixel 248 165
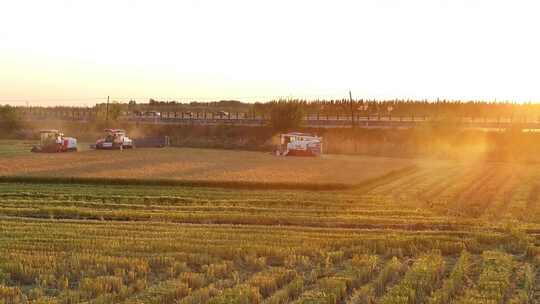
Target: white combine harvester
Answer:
pixel 299 144
pixel 115 139
pixel 53 141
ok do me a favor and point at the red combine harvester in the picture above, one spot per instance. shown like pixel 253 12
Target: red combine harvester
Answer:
pixel 299 144
pixel 52 141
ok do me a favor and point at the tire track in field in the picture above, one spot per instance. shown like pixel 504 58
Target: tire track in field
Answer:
pixel 533 203
pixel 484 197
pixel 404 188
pixel 392 185
pixel 410 184
pixel 437 186
pixel 512 178
pixel 468 199
pixel 370 185
pixel 434 194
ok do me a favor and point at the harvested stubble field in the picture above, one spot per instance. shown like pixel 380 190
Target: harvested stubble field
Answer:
pixel 439 232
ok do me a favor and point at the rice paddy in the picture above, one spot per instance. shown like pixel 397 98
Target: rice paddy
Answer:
pixel 404 232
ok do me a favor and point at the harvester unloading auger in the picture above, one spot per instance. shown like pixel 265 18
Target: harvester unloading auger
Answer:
pixel 53 141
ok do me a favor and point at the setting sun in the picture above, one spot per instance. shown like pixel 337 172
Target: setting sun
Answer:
pixel 81 51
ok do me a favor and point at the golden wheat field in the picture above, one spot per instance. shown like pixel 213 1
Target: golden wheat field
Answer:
pixel 195 164
pixel 436 232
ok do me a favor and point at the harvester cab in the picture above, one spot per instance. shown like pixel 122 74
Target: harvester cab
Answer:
pixel 115 139
pixel 299 144
pixel 52 141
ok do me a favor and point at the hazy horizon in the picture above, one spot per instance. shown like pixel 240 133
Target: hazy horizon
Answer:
pixel 77 53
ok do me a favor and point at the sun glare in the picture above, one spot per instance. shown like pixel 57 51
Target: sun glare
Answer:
pixel 253 50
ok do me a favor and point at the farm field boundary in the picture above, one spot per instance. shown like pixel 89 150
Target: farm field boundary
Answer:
pixel 208 183
pixel 173 183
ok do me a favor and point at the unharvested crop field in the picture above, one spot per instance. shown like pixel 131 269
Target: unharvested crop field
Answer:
pixel 438 232
pixel 194 164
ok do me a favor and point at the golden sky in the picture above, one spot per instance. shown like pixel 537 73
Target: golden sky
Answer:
pixel 78 52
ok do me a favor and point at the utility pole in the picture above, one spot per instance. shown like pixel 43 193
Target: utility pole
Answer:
pixel 352 110
pixel 107 114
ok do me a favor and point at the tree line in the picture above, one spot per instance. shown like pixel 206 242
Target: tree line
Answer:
pixel 10 120
pixel 397 107
pixel 288 113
